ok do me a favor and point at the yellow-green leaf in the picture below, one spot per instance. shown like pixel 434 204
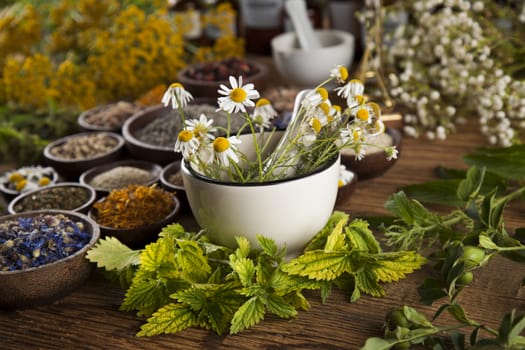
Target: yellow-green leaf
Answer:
pixel 319 265
pixel 244 268
pixel 192 261
pixel 109 253
pixel 161 252
pixel 248 315
pixel 170 319
pixel 361 237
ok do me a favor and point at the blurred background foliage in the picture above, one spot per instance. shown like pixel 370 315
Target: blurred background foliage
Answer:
pixel 60 57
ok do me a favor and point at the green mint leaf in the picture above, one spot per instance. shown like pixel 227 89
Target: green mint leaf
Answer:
pixel 109 253
pixel 336 239
pixel 158 254
pixel 319 265
pixel 410 211
pixel 248 315
pixel 244 268
pixel 508 162
pixel 469 188
pixel 169 319
pixel 244 247
pixel 361 237
pixel 319 240
pixel 278 306
pixel 174 231
pixel 191 259
pixel 145 296
pixel 269 247
pixel 366 281
pixel 393 266
pixel 443 192
pixel 378 344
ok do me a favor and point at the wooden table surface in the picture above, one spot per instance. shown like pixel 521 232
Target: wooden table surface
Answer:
pixel 89 317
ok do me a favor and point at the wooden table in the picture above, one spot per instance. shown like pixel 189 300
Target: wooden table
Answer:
pixel 89 317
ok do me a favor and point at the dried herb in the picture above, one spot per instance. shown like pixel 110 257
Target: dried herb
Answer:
pixel 121 176
pixel 28 242
pixel 62 197
pixel 134 206
pixel 27 178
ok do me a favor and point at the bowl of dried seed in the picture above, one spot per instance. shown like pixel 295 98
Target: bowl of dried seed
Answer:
pixel 71 196
pixel 119 174
pixel 43 256
pixel 73 154
pixel 135 214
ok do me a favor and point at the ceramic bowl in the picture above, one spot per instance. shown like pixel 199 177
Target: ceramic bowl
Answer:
pixel 71 169
pixel 308 68
pixel 171 180
pixel 111 116
pixel 374 163
pixel 206 87
pixel 30 174
pixel 45 284
pixel 137 237
pixel 88 176
pixel 81 198
pixel 290 211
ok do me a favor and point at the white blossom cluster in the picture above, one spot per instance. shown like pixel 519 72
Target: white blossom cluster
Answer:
pixel 443 69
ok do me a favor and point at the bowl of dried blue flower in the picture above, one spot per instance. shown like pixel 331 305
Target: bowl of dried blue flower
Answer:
pixel 43 256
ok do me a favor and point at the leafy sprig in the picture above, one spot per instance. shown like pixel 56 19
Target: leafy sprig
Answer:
pixel 182 280
pixel 463 240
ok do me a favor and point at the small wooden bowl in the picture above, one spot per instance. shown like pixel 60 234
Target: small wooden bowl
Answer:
pixel 88 176
pixel 137 237
pixel 90 197
pixel 205 88
pixel 71 169
pixel 178 188
pixel 84 122
pixel 46 283
pixel 10 194
pixel 374 163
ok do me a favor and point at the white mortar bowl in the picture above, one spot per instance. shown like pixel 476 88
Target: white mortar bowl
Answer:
pixel 288 211
pixel 308 68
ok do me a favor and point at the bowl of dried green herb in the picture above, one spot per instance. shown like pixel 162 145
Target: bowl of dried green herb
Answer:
pixel 43 256
pixel 135 214
pixel 119 174
pixel 71 196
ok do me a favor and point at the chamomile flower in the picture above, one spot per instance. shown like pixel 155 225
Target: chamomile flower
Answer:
pixel 201 128
pixel 314 98
pixel 391 153
pixel 238 97
pixel 186 143
pixel 177 95
pixel 345 176
pixel 340 73
pixel 350 135
pixel 352 92
pixel 263 113
pixel 224 150
pixel 368 113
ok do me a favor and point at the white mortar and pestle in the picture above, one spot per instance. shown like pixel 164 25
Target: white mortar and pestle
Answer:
pixel 305 56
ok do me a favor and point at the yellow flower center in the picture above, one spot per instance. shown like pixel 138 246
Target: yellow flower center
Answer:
pixel 375 107
pixel 238 95
pixel 20 185
pixel 325 108
pixel 176 85
pixel 185 135
pixel 340 183
pixel 356 81
pixel 221 144
pixel 316 125
pixel 337 108
pixel 360 99
pixel 362 114
pixel 262 102
pixel 44 181
pixel 357 135
pixel 343 72
pixel 15 177
pixel 323 93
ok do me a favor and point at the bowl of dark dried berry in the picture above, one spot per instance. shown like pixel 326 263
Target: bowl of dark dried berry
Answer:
pixel 73 154
pixel 151 134
pixel 119 174
pixel 43 256
pixel 204 79
pixel 108 117
pixel 171 180
pixel 135 214
pixel 63 195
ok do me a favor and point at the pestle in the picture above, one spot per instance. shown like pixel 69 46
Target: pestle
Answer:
pixel 296 9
